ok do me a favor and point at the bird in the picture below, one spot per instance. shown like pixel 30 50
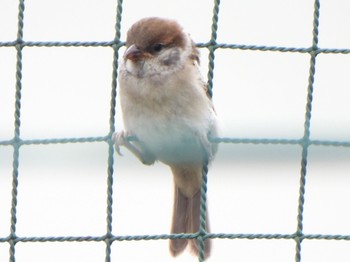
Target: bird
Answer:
pixel 166 107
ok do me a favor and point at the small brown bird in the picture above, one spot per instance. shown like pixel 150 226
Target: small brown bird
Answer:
pixel 165 105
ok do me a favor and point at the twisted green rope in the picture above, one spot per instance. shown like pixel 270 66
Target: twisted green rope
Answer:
pixel 16 145
pixel 306 138
pixel 231 140
pixel 203 202
pixel 108 240
pixel 176 236
pixel 203 211
pixel 212 46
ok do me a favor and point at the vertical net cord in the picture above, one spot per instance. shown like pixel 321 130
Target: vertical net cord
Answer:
pixel 203 202
pixel 115 46
pixel 203 211
pixel 212 46
pixel 16 142
pixel 306 138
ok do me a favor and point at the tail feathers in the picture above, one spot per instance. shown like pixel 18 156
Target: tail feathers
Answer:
pixel 179 224
pixel 186 219
pixel 194 224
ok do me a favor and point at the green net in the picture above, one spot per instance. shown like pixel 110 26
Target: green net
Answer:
pixel 212 45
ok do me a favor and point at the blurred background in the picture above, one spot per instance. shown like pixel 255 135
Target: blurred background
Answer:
pixel 252 189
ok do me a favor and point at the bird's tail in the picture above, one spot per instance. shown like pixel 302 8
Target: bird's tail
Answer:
pixel 186 219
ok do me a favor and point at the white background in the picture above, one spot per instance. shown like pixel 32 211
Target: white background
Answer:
pixel 251 188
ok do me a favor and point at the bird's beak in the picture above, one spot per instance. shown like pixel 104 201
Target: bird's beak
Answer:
pixel 133 53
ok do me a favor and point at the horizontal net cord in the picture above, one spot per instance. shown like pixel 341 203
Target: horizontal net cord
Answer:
pixel 201 45
pixel 177 236
pixel 273 141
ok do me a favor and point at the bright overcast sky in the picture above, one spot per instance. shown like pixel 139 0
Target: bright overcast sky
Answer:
pixel 251 188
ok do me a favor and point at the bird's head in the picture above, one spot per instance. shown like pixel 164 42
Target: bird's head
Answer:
pixel 156 46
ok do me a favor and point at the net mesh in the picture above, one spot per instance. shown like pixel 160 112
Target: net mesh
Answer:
pixel 108 238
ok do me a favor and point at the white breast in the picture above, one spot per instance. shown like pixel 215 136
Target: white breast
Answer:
pixel 170 114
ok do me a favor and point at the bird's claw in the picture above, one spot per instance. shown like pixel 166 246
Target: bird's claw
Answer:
pixel 120 139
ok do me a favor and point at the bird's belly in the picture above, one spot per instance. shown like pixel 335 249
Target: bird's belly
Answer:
pixel 170 141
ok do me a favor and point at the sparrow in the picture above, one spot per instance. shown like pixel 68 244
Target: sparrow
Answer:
pixel 166 108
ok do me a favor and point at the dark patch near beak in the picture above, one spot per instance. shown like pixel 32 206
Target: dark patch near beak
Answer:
pixel 133 53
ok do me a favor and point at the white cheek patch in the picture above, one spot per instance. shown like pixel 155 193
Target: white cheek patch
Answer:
pixel 135 68
pixel 130 66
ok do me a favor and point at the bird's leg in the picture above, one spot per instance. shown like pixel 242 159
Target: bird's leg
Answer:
pixel 121 139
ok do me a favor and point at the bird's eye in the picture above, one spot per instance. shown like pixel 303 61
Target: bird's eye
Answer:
pixel 157 47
